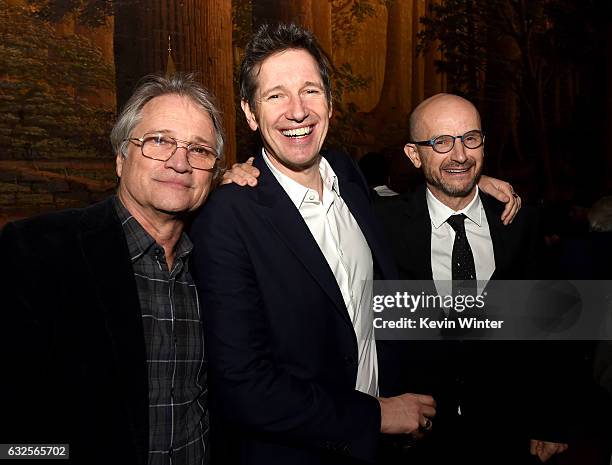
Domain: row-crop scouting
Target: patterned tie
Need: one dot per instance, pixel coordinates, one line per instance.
(463, 261)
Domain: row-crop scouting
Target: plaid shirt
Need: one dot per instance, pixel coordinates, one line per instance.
(178, 413)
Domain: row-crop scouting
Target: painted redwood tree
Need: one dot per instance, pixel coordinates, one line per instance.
(199, 34)
(529, 46)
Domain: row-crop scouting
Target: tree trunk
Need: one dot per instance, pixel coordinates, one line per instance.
(201, 40)
(284, 11)
(395, 97)
(322, 24)
(129, 62)
(532, 66)
(314, 15)
(216, 62)
(419, 9)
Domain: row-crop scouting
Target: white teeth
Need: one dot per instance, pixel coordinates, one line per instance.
(298, 132)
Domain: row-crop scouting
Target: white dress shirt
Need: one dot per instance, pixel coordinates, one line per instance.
(443, 238)
(384, 191)
(348, 255)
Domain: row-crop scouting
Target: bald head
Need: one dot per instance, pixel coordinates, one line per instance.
(452, 169)
(438, 111)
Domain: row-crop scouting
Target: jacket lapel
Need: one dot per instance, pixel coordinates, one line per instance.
(106, 254)
(415, 230)
(292, 230)
(354, 194)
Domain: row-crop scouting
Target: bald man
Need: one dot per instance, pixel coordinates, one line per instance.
(481, 388)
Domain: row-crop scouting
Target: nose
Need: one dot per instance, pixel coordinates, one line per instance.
(458, 153)
(178, 161)
(297, 110)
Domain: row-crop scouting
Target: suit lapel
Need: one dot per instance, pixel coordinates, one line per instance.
(106, 254)
(292, 230)
(355, 197)
(415, 224)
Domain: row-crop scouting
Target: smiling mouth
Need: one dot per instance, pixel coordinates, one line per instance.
(298, 132)
(458, 170)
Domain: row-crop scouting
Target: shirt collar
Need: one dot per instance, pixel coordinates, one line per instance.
(439, 212)
(139, 241)
(296, 191)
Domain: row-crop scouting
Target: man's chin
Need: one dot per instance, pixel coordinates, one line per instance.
(461, 189)
(453, 191)
(174, 211)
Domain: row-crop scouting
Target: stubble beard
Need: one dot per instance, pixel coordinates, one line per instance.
(450, 189)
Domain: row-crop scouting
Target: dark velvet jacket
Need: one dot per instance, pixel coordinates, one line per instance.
(72, 341)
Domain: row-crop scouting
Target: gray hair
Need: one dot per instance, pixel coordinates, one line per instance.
(154, 85)
(600, 215)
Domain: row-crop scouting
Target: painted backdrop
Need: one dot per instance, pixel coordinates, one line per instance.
(539, 71)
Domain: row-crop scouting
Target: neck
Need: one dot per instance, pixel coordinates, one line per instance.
(164, 228)
(456, 203)
(308, 176)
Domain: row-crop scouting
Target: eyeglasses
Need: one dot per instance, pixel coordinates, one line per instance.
(444, 144)
(161, 148)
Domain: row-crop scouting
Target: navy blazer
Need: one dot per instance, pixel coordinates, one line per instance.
(72, 342)
(282, 350)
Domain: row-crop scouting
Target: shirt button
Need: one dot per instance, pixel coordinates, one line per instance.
(172, 392)
(311, 197)
(170, 452)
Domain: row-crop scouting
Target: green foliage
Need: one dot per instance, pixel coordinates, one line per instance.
(525, 46)
(88, 12)
(347, 13)
(461, 29)
(347, 80)
(242, 15)
(347, 125)
(44, 73)
(532, 40)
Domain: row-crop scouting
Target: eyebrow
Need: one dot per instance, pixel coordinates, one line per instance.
(196, 139)
(272, 89)
(314, 84)
(281, 87)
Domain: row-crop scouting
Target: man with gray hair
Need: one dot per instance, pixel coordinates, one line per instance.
(104, 348)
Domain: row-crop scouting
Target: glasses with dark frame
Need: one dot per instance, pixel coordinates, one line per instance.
(162, 147)
(445, 143)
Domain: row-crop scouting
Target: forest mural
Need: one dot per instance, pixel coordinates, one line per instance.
(540, 72)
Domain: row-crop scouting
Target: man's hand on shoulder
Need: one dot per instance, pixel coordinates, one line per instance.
(243, 174)
(503, 192)
(406, 414)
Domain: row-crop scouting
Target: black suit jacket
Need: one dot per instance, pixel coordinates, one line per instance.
(282, 350)
(72, 340)
(517, 247)
(489, 380)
